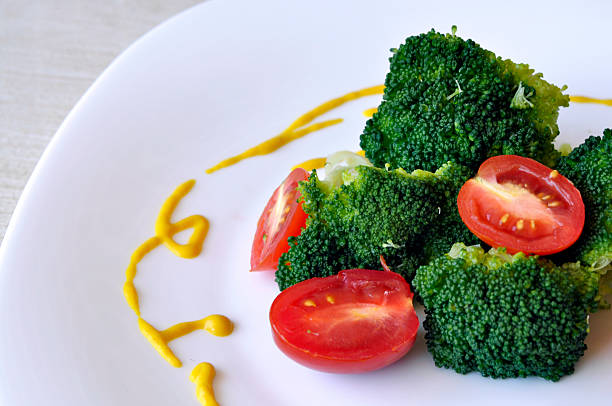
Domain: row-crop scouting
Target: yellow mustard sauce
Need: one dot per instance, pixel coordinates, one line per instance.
(164, 231)
(273, 144)
(202, 376)
(295, 130)
(215, 324)
(370, 112)
(129, 290)
(311, 164)
(584, 99)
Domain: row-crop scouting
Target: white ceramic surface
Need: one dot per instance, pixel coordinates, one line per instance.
(205, 85)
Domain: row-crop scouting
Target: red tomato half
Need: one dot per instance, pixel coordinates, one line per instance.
(283, 217)
(357, 321)
(520, 204)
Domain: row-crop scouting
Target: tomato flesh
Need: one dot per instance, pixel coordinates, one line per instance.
(283, 217)
(520, 204)
(356, 321)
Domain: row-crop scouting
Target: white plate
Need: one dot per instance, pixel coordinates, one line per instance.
(205, 85)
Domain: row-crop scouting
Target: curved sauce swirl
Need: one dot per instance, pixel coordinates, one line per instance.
(215, 324)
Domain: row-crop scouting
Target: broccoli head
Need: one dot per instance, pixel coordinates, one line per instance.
(373, 212)
(505, 316)
(447, 99)
(589, 167)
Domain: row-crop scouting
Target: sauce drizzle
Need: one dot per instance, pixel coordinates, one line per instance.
(370, 112)
(295, 130)
(309, 165)
(584, 99)
(164, 232)
(215, 324)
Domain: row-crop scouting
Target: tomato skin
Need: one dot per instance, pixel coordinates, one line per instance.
(283, 217)
(368, 324)
(518, 203)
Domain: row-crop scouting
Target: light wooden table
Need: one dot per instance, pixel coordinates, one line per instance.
(50, 53)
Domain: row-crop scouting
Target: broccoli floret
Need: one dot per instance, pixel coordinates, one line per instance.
(319, 254)
(505, 316)
(449, 228)
(374, 212)
(447, 99)
(589, 167)
(589, 282)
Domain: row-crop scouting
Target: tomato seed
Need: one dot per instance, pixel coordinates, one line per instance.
(310, 303)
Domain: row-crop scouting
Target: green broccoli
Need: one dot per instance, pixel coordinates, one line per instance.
(505, 316)
(447, 99)
(589, 167)
(449, 228)
(374, 212)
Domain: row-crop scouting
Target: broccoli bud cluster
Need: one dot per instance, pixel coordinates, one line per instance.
(448, 99)
(504, 316)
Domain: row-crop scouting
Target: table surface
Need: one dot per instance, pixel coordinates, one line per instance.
(50, 53)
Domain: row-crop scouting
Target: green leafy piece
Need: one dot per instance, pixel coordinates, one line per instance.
(521, 98)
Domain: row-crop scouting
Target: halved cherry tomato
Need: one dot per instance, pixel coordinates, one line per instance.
(520, 204)
(356, 321)
(283, 217)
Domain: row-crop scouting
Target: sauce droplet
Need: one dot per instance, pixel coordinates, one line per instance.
(202, 376)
